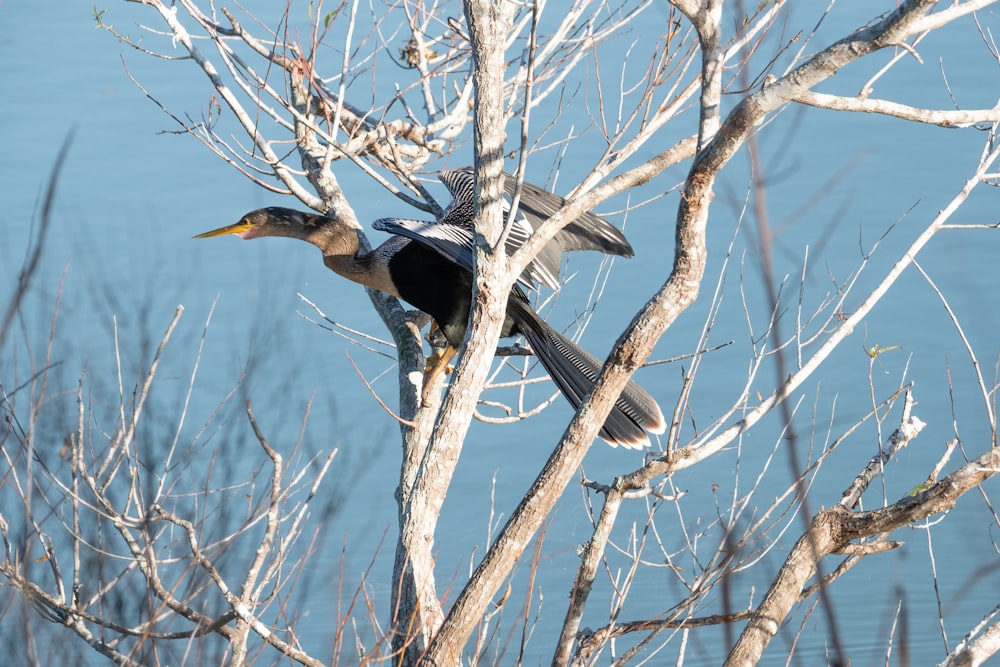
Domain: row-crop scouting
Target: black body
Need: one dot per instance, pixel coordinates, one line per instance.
(443, 290)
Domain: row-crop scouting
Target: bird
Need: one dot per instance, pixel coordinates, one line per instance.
(429, 265)
(451, 235)
(536, 205)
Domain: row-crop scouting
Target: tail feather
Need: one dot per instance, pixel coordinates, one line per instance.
(574, 371)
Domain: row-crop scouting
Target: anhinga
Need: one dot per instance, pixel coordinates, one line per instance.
(429, 265)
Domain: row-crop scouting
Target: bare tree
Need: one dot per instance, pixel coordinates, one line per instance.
(476, 70)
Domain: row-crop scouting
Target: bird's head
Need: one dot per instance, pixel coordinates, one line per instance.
(275, 221)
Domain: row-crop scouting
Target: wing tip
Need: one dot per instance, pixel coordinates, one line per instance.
(634, 439)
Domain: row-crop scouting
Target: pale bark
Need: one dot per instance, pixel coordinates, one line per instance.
(488, 27)
(680, 290)
(832, 530)
(325, 128)
(975, 652)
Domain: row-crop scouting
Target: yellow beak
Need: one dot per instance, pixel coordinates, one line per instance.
(238, 228)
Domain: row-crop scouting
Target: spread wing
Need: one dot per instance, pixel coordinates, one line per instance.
(544, 268)
(589, 231)
(452, 242)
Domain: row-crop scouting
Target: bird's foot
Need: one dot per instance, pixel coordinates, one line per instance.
(436, 364)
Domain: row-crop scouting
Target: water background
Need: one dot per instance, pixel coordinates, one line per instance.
(131, 193)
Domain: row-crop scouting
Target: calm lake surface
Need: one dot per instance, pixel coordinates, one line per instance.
(120, 259)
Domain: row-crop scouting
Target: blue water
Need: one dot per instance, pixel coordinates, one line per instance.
(131, 193)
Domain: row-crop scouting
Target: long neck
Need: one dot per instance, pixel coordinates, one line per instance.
(341, 254)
